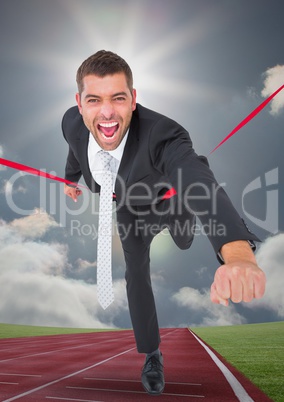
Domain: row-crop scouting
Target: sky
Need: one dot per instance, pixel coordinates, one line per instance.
(206, 64)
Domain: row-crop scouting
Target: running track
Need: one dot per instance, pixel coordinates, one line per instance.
(104, 366)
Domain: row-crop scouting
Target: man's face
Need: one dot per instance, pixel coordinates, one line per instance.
(106, 105)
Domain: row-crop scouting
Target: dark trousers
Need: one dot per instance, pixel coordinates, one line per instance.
(137, 227)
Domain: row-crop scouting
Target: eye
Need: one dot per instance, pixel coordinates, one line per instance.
(93, 100)
(120, 99)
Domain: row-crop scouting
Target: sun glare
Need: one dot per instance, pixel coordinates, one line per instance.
(153, 61)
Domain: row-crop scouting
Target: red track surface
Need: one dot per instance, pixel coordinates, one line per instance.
(103, 367)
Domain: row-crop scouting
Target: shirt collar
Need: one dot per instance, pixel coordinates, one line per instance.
(116, 153)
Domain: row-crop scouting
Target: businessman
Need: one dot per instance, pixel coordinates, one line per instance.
(160, 182)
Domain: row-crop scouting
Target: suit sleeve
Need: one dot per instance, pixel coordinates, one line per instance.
(196, 185)
(72, 168)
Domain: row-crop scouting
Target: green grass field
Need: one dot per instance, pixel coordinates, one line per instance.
(257, 350)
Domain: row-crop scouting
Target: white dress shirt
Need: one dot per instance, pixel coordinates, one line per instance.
(95, 162)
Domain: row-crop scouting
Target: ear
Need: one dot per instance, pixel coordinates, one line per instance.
(78, 100)
(134, 94)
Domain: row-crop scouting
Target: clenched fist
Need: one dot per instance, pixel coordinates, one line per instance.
(239, 279)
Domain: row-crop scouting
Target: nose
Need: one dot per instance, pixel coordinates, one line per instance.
(107, 110)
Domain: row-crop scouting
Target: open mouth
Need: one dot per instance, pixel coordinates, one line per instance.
(108, 130)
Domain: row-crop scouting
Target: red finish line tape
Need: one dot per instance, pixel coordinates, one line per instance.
(36, 172)
(171, 192)
(248, 118)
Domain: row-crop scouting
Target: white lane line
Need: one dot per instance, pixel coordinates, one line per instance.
(62, 349)
(110, 379)
(21, 375)
(131, 392)
(118, 380)
(44, 353)
(183, 383)
(57, 350)
(9, 383)
(18, 343)
(74, 347)
(31, 391)
(236, 386)
(70, 399)
(77, 372)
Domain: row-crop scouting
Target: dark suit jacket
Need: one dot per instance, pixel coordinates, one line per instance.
(158, 156)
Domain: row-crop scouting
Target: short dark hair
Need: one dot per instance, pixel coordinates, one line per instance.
(103, 63)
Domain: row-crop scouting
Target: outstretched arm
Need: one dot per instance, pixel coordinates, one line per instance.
(240, 278)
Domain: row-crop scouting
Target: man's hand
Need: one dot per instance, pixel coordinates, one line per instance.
(72, 192)
(240, 278)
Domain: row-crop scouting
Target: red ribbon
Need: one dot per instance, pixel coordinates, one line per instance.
(169, 193)
(18, 166)
(36, 172)
(248, 118)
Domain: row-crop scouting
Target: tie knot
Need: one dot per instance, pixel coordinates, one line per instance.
(105, 158)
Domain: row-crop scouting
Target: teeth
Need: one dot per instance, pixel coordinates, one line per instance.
(109, 124)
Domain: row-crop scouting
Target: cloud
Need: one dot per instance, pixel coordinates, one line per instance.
(212, 314)
(270, 257)
(35, 225)
(274, 79)
(12, 188)
(34, 285)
